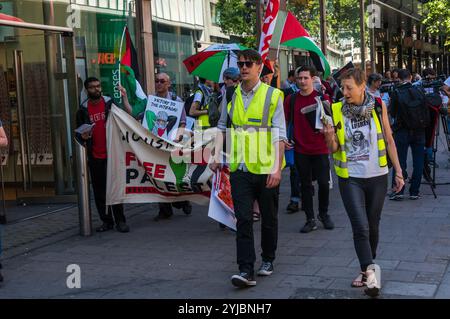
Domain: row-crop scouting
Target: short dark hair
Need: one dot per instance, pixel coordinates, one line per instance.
(251, 55)
(90, 80)
(306, 68)
(291, 73)
(373, 78)
(404, 74)
(354, 73)
(428, 71)
(202, 80)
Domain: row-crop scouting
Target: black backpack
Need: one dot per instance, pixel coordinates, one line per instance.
(213, 103)
(413, 109)
(190, 100)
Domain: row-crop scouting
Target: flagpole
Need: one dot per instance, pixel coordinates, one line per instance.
(279, 40)
(120, 56)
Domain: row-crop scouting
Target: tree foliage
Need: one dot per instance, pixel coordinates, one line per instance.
(237, 19)
(437, 18)
(342, 18)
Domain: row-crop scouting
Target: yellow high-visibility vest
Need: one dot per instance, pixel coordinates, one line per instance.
(251, 135)
(340, 157)
(202, 121)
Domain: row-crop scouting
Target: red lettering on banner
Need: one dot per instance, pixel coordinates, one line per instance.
(129, 157)
(160, 171)
(148, 168)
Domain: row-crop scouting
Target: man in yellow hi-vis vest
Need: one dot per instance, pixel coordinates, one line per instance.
(256, 136)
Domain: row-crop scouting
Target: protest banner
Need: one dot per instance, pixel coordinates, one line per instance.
(144, 168)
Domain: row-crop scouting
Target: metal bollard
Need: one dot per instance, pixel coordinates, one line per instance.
(84, 203)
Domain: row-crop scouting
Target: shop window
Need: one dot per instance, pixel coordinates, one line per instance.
(215, 17)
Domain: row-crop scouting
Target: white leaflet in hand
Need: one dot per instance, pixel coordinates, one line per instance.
(321, 117)
(85, 128)
(319, 110)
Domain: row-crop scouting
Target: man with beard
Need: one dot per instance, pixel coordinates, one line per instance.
(95, 111)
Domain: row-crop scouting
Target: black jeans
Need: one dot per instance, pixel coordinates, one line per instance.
(319, 167)
(245, 189)
(363, 200)
(165, 209)
(97, 169)
(295, 184)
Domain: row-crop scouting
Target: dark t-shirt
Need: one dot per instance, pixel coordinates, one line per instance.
(307, 140)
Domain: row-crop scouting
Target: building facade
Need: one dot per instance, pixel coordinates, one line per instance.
(46, 53)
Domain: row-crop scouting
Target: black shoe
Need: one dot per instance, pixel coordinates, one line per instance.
(396, 196)
(104, 227)
(161, 216)
(309, 226)
(326, 221)
(122, 227)
(292, 207)
(187, 208)
(243, 280)
(266, 269)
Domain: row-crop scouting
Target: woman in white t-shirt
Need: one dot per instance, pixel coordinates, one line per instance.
(359, 145)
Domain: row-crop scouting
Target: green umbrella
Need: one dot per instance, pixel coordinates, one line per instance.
(213, 61)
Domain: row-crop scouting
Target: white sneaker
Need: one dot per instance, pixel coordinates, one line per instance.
(373, 282)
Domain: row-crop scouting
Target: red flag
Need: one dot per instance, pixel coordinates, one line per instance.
(9, 18)
(268, 26)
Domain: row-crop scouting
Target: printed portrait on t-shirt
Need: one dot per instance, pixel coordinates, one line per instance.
(358, 133)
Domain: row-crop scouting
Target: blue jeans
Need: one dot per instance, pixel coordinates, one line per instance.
(295, 184)
(416, 140)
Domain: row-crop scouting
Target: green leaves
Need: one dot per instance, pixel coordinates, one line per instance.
(233, 15)
(437, 18)
(342, 18)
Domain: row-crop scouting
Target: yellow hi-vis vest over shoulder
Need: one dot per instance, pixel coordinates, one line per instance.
(251, 135)
(203, 120)
(340, 157)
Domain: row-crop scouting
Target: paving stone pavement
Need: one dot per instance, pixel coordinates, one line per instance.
(189, 257)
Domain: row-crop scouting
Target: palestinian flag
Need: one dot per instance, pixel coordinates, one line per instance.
(294, 35)
(129, 74)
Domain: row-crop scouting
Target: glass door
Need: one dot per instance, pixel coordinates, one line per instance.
(35, 110)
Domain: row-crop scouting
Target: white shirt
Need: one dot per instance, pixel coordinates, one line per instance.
(361, 148)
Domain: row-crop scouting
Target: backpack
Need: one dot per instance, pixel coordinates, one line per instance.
(414, 112)
(213, 102)
(229, 96)
(190, 100)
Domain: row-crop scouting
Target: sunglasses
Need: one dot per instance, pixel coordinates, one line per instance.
(248, 64)
(160, 81)
(234, 80)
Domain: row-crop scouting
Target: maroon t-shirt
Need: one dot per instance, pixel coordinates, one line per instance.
(307, 140)
(97, 115)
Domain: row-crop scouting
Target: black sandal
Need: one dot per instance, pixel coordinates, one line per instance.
(359, 281)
